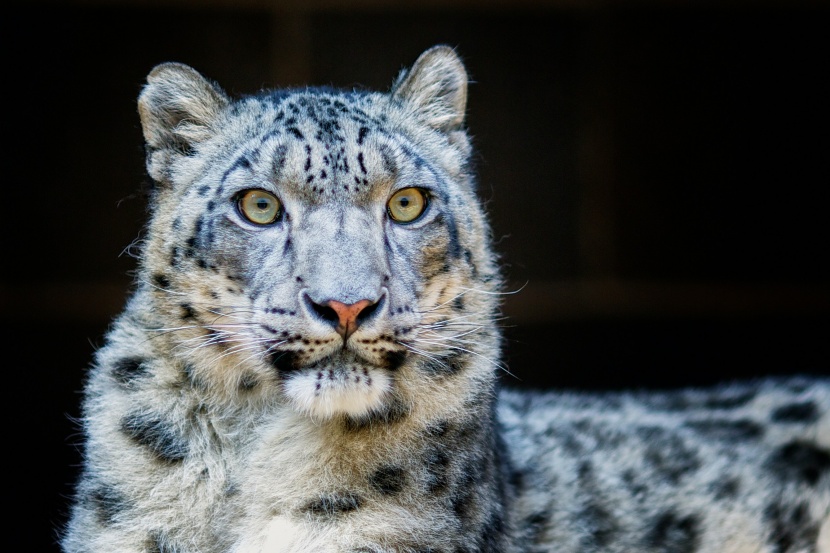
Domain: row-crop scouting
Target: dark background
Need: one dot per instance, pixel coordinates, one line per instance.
(656, 173)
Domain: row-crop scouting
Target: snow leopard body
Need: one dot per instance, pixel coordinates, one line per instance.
(310, 359)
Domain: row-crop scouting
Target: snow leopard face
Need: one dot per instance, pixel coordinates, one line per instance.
(317, 245)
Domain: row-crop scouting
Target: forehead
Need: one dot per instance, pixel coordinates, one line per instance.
(318, 143)
(325, 116)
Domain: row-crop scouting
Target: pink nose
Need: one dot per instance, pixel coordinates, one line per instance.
(347, 315)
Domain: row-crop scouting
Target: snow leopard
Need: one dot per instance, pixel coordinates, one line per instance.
(310, 361)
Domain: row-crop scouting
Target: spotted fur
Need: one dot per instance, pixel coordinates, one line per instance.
(326, 382)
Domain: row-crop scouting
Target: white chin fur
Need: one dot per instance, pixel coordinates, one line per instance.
(328, 392)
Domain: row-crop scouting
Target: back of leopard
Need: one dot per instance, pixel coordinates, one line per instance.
(309, 362)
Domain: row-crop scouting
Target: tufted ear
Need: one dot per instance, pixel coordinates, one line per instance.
(177, 107)
(435, 88)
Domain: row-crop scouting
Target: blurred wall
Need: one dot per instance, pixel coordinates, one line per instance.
(656, 174)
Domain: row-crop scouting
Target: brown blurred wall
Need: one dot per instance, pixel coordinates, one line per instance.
(656, 173)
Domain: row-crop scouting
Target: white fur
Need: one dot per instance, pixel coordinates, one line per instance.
(339, 391)
(823, 543)
(283, 535)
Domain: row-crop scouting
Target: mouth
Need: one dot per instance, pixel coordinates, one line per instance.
(290, 361)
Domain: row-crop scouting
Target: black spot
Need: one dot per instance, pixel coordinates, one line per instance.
(202, 190)
(361, 134)
(198, 225)
(436, 462)
(175, 256)
(330, 128)
(190, 250)
(187, 311)
(156, 434)
(161, 281)
(599, 524)
(394, 359)
(241, 162)
(388, 480)
(285, 361)
(791, 529)
(516, 479)
(727, 430)
(671, 534)
(804, 412)
(535, 525)
(333, 504)
(800, 462)
(127, 370)
(585, 473)
(726, 488)
(108, 503)
(296, 132)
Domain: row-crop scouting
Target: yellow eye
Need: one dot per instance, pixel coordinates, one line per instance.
(407, 205)
(259, 207)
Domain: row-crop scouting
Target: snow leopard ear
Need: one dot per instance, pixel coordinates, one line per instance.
(177, 107)
(436, 88)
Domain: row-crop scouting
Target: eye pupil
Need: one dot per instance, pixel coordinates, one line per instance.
(404, 202)
(262, 204)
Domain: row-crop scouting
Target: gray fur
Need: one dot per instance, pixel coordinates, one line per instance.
(231, 411)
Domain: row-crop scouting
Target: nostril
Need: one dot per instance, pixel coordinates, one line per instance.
(368, 311)
(323, 311)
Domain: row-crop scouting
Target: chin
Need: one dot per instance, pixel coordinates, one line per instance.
(326, 391)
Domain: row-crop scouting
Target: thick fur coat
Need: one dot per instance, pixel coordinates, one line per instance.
(309, 363)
